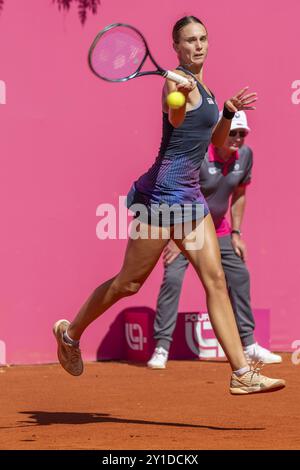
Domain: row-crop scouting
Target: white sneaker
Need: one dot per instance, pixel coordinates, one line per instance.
(257, 353)
(159, 359)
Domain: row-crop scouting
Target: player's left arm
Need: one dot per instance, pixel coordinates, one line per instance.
(221, 132)
(241, 101)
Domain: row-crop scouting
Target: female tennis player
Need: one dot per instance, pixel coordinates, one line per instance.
(174, 179)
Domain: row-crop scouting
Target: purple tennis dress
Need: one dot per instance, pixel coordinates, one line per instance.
(173, 179)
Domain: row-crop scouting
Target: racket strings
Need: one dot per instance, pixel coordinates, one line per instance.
(118, 53)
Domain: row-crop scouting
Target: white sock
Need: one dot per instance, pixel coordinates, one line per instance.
(241, 371)
(250, 347)
(69, 340)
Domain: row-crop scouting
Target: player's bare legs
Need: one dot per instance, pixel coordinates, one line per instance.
(140, 258)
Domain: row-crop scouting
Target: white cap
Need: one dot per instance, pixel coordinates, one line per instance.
(239, 121)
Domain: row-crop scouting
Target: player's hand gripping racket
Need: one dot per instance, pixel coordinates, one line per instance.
(119, 52)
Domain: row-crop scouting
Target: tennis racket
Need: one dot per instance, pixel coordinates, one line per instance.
(119, 52)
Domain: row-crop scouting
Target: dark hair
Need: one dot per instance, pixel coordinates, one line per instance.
(181, 24)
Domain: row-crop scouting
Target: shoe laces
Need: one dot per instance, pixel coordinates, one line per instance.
(255, 368)
(76, 354)
(160, 352)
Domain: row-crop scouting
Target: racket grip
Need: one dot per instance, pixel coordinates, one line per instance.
(176, 77)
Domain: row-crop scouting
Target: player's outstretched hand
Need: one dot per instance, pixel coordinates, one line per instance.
(241, 102)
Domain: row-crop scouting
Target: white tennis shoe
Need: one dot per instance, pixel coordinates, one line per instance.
(256, 353)
(159, 359)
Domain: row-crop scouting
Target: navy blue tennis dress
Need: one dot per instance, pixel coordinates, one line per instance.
(173, 179)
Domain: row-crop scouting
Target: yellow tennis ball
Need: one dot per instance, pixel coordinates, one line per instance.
(175, 100)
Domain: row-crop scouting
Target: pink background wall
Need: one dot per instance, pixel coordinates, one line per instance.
(70, 142)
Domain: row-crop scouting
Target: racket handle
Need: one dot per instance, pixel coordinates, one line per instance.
(175, 77)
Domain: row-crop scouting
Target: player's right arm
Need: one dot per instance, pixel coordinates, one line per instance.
(176, 116)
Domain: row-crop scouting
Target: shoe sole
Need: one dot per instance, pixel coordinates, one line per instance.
(55, 331)
(267, 363)
(156, 367)
(274, 388)
(273, 362)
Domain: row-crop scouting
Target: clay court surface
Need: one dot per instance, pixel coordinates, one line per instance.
(124, 406)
